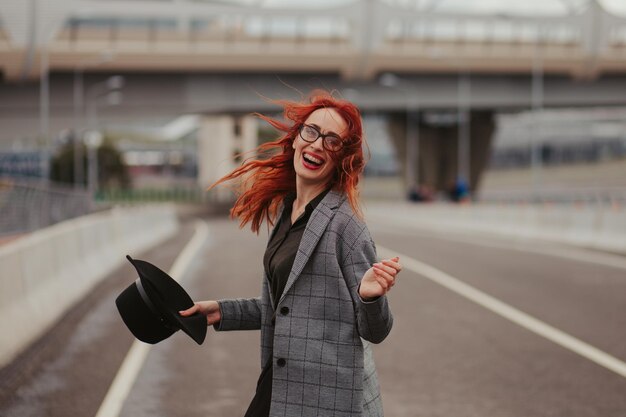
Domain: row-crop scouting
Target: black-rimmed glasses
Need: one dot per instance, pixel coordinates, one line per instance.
(331, 141)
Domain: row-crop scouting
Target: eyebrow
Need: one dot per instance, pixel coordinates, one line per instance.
(331, 133)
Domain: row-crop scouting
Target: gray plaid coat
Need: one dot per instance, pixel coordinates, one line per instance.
(319, 342)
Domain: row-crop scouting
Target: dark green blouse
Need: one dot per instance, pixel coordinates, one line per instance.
(282, 248)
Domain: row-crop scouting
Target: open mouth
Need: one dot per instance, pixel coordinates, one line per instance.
(312, 161)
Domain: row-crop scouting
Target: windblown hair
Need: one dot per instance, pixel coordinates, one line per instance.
(267, 179)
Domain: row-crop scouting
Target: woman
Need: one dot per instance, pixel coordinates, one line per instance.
(323, 297)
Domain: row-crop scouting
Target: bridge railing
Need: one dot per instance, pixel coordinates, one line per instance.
(27, 205)
(387, 24)
(354, 37)
(581, 42)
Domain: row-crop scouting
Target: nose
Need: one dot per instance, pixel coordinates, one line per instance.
(318, 143)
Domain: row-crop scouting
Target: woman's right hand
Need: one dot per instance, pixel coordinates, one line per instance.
(210, 309)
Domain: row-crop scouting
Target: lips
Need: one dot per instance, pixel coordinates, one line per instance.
(312, 161)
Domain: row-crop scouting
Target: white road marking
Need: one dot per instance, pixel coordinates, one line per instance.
(123, 382)
(508, 312)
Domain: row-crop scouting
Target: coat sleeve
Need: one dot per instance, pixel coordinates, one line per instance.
(374, 319)
(239, 314)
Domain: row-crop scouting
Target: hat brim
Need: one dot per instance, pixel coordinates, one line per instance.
(169, 298)
(138, 317)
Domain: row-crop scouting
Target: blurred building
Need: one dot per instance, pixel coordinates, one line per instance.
(563, 136)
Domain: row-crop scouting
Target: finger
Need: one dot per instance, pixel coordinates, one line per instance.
(388, 277)
(380, 279)
(381, 265)
(191, 310)
(395, 265)
(382, 282)
(387, 269)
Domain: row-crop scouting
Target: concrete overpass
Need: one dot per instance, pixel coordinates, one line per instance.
(357, 39)
(441, 75)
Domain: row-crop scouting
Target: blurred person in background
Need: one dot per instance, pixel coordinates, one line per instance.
(458, 191)
(323, 298)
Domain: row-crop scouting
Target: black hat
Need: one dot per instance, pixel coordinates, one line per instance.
(150, 306)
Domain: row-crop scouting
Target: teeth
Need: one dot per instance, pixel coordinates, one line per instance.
(312, 158)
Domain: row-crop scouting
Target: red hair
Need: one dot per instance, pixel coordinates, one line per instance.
(270, 177)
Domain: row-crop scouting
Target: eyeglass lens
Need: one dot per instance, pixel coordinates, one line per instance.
(310, 134)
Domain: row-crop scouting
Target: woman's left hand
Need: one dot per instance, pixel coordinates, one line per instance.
(380, 278)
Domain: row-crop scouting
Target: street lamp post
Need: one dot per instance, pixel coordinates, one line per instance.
(109, 90)
(44, 116)
(93, 140)
(110, 98)
(78, 105)
(79, 98)
(537, 93)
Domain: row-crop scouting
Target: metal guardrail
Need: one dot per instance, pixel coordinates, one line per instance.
(27, 205)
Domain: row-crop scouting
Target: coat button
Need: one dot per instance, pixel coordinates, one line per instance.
(284, 311)
(281, 362)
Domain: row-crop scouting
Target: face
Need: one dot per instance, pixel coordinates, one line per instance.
(312, 162)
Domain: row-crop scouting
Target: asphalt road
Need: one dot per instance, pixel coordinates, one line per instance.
(446, 356)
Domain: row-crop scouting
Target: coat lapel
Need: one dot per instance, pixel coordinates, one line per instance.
(314, 230)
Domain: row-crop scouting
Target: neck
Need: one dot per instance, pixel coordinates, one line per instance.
(307, 192)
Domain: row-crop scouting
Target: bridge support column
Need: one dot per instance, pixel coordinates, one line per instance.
(481, 131)
(221, 138)
(437, 164)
